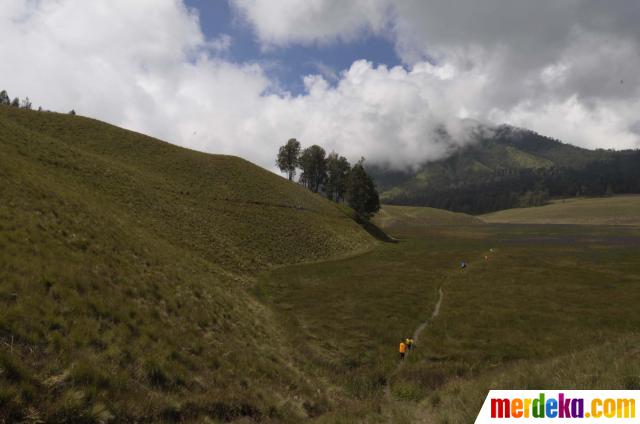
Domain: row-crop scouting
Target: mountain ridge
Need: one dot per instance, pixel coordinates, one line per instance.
(509, 167)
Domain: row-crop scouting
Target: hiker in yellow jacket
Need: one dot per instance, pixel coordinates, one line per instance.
(402, 349)
(409, 343)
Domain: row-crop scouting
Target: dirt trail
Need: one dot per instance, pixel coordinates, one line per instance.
(435, 313)
(416, 335)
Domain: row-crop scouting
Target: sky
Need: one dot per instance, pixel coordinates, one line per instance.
(372, 78)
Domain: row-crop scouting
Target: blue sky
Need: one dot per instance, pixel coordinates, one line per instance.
(287, 65)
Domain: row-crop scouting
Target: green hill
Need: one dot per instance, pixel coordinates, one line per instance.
(412, 219)
(507, 168)
(616, 210)
(124, 263)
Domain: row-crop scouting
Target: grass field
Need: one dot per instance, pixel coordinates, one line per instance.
(546, 297)
(124, 263)
(615, 210)
(144, 282)
(407, 220)
(346, 317)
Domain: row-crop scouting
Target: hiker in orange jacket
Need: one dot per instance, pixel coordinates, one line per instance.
(402, 349)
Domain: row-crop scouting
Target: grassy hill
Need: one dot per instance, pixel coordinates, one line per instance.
(616, 210)
(507, 168)
(124, 263)
(412, 219)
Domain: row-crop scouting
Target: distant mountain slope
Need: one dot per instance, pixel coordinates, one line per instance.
(615, 210)
(124, 264)
(511, 168)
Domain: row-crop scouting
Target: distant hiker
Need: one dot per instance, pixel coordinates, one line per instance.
(486, 257)
(463, 265)
(409, 343)
(402, 349)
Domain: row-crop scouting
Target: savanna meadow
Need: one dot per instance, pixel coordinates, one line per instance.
(326, 212)
(271, 303)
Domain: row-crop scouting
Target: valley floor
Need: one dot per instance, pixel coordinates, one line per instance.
(610, 210)
(560, 300)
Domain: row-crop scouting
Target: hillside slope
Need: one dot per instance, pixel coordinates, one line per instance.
(616, 210)
(509, 167)
(611, 364)
(122, 269)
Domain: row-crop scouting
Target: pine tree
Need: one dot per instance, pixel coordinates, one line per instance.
(4, 98)
(362, 195)
(337, 175)
(314, 168)
(26, 103)
(289, 157)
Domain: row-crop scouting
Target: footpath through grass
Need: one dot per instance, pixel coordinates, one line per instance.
(537, 314)
(545, 292)
(346, 317)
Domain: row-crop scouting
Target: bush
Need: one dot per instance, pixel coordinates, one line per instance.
(11, 370)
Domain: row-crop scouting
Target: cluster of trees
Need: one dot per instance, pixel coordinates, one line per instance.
(331, 175)
(481, 196)
(16, 102)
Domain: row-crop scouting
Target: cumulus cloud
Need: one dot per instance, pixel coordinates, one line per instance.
(390, 115)
(146, 65)
(293, 21)
(567, 69)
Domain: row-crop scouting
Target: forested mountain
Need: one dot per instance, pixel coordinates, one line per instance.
(510, 168)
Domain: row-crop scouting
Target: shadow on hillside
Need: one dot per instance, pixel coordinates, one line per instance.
(375, 231)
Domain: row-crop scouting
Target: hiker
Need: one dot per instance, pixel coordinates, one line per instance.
(402, 349)
(409, 343)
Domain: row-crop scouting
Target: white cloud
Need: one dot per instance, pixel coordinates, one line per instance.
(325, 70)
(567, 69)
(284, 22)
(221, 43)
(146, 65)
